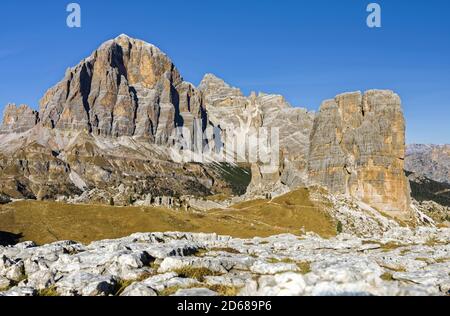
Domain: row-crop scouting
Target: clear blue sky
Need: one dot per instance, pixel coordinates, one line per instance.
(307, 50)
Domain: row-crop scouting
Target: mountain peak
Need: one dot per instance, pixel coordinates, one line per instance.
(127, 42)
(213, 85)
(121, 75)
(123, 35)
(18, 119)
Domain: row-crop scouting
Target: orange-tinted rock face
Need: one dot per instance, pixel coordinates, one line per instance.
(125, 88)
(358, 148)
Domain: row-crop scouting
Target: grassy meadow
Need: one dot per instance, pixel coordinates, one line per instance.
(46, 222)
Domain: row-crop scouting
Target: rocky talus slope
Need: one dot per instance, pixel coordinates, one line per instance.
(398, 262)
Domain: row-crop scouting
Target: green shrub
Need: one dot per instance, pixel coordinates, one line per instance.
(48, 292)
(340, 228)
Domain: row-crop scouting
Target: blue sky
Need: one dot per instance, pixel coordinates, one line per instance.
(306, 50)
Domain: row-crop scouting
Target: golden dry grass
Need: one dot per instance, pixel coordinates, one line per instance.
(171, 290)
(303, 266)
(48, 292)
(198, 274)
(223, 290)
(387, 276)
(292, 212)
(45, 222)
(218, 198)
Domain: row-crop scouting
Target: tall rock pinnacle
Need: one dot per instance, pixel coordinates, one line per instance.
(358, 148)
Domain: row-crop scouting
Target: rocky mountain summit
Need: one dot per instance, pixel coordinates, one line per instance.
(103, 127)
(125, 88)
(227, 106)
(399, 262)
(106, 131)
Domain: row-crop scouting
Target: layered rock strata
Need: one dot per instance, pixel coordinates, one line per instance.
(18, 119)
(358, 148)
(246, 116)
(125, 88)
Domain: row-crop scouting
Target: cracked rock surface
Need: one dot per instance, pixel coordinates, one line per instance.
(400, 262)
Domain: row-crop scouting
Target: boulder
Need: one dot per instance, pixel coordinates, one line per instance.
(138, 289)
(196, 292)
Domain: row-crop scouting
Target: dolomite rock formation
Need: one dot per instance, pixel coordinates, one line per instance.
(111, 169)
(225, 104)
(107, 125)
(109, 122)
(125, 88)
(18, 119)
(228, 107)
(358, 148)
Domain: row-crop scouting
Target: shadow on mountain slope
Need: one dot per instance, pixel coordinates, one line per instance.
(424, 189)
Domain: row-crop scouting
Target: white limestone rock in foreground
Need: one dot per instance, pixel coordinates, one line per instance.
(400, 262)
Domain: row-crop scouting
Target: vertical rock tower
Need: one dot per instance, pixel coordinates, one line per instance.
(358, 148)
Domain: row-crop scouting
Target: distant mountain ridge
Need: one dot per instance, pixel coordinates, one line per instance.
(431, 161)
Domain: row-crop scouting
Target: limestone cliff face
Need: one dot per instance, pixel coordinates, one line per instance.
(227, 106)
(125, 88)
(106, 125)
(358, 148)
(109, 122)
(18, 119)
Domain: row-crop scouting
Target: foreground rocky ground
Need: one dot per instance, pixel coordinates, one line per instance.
(399, 262)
